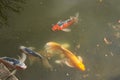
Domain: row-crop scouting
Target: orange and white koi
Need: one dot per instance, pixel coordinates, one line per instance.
(71, 60)
(63, 25)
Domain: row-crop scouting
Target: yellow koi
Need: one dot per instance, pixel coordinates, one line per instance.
(73, 60)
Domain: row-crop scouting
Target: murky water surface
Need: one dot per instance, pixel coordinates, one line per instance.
(97, 34)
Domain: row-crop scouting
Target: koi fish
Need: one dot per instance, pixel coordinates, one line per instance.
(71, 61)
(14, 63)
(63, 25)
(30, 52)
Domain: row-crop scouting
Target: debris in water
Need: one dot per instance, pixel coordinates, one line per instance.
(100, 1)
(85, 75)
(78, 46)
(117, 34)
(67, 74)
(106, 55)
(118, 21)
(97, 45)
(106, 41)
(111, 54)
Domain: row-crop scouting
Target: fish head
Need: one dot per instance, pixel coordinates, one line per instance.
(27, 50)
(52, 48)
(21, 66)
(22, 48)
(52, 45)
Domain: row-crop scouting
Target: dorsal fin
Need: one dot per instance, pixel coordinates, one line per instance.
(80, 58)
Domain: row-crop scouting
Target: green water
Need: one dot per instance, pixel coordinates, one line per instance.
(98, 19)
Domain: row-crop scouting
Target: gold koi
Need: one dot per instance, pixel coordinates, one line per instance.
(72, 59)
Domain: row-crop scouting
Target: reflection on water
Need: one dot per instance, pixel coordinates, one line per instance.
(98, 24)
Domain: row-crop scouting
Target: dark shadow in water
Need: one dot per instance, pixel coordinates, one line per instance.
(6, 6)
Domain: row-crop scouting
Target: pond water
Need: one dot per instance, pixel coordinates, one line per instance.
(97, 33)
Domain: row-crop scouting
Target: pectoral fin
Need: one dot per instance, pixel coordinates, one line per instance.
(68, 63)
(80, 58)
(66, 30)
(64, 61)
(60, 62)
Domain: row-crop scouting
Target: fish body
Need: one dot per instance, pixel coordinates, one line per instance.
(13, 63)
(63, 25)
(29, 51)
(72, 59)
